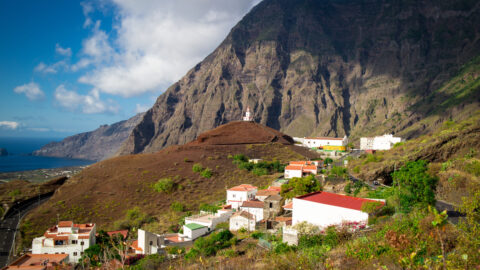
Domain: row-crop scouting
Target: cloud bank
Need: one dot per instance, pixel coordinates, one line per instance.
(88, 104)
(9, 124)
(31, 90)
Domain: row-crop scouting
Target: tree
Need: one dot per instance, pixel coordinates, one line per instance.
(300, 186)
(328, 161)
(164, 185)
(414, 186)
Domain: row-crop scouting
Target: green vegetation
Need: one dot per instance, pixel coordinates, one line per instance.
(106, 248)
(209, 208)
(134, 219)
(338, 171)
(14, 193)
(165, 185)
(207, 173)
(300, 186)
(197, 167)
(208, 246)
(414, 186)
(328, 161)
(177, 207)
(260, 168)
(153, 261)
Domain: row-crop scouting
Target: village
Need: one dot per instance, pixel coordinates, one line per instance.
(276, 209)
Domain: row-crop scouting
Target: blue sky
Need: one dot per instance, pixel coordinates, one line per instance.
(70, 66)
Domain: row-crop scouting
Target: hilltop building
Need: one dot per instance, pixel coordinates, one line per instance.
(238, 194)
(384, 142)
(326, 143)
(253, 207)
(248, 116)
(242, 219)
(66, 238)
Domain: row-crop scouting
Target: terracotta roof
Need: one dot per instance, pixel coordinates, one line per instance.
(227, 206)
(266, 192)
(324, 138)
(283, 219)
(84, 237)
(294, 167)
(124, 233)
(135, 246)
(65, 224)
(274, 197)
(61, 237)
(288, 206)
(336, 200)
(302, 162)
(243, 187)
(274, 188)
(310, 167)
(174, 238)
(244, 214)
(34, 261)
(252, 204)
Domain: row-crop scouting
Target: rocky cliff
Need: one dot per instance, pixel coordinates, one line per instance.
(330, 67)
(99, 144)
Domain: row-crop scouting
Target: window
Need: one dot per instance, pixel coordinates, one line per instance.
(271, 205)
(233, 195)
(75, 253)
(81, 253)
(74, 242)
(151, 243)
(82, 243)
(63, 252)
(56, 252)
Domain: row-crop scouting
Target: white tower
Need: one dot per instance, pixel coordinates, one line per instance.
(248, 116)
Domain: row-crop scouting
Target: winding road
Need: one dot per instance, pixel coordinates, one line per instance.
(9, 226)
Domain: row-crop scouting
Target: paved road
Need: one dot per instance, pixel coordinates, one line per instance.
(8, 227)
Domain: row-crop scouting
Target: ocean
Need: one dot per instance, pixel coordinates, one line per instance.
(19, 158)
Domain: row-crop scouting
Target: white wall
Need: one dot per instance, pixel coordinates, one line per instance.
(322, 142)
(257, 212)
(194, 234)
(292, 173)
(384, 142)
(238, 222)
(37, 248)
(235, 198)
(324, 215)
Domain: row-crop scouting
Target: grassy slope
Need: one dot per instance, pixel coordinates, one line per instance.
(104, 192)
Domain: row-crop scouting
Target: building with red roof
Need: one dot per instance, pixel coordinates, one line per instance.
(66, 238)
(238, 194)
(325, 209)
(40, 262)
(301, 168)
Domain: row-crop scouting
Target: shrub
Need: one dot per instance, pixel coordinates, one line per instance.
(370, 207)
(149, 262)
(240, 157)
(207, 173)
(328, 161)
(164, 185)
(281, 248)
(257, 235)
(208, 208)
(177, 206)
(260, 171)
(186, 160)
(300, 186)
(208, 246)
(197, 167)
(348, 188)
(356, 169)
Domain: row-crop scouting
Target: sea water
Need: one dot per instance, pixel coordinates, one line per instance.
(20, 158)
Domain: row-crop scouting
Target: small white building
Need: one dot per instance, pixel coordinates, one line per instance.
(248, 115)
(242, 219)
(253, 207)
(66, 238)
(316, 142)
(148, 243)
(210, 220)
(237, 195)
(384, 142)
(301, 168)
(193, 230)
(324, 209)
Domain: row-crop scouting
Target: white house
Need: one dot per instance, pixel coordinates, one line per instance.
(193, 230)
(237, 195)
(253, 207)
(242, 219)
(317, 142)
(248, 116)
(148, 243)
(384, 142)
(210, 220)
(301, 168)
(66, 238)
(325, 209)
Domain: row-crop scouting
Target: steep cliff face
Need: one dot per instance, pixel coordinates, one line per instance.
(99, 144)
(331, 67)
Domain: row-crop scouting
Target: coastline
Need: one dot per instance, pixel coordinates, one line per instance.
(41, 175)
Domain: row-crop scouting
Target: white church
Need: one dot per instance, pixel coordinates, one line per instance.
(248, 115)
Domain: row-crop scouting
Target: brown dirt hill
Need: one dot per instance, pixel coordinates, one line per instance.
(103, 192)
(241, 132)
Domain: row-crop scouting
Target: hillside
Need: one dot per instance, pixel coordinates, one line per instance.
(325, 68)
(105, 191)
(452, 151)
(99, 144)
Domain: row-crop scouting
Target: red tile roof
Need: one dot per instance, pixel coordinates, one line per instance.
(336, 200)
(135, 246)
(35, 261)
(266, 192)
(274, 188)
(243, 187)
(124, 233)
(288, 206)
(309, 167)
(244, 214)
(252, 204)
(294, 167)
(65, 224)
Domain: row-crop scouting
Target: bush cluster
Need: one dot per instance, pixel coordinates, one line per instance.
(208, 246)
(165, 185)
(260, 168)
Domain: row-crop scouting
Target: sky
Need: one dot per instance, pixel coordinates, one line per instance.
(70, 66)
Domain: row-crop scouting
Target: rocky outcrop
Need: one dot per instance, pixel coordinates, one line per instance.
(3, 152)
(99, 144)
(329, 67)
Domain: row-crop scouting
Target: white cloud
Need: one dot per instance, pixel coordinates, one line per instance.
(87, 9)
(141, 108)
(38, 129)
(63, 51)
(9, 124)
(154, 42)
(31, 90)
(43, 68)
(89, 104)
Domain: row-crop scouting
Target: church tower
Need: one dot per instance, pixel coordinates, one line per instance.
(248, 116)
